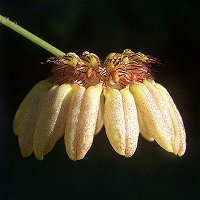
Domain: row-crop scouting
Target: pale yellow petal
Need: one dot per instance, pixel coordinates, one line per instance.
(48, 117)
(72, 120)
(99, 124)
(114, 120)
(143, 129)
(26, 117)
(131, 121)
(151, 115)
(159, 100)
(65, 93)
(179, 130)
(25, 104)
(87, 120)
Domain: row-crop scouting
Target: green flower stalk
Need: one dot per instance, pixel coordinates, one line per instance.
(5, 21)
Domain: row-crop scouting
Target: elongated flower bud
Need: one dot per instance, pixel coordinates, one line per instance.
(45, 127)
(26, 116)
(179, 141)
(87, 120)
(120, 120)
(152, 116)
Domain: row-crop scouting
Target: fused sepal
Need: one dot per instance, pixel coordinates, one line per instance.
(27, 114)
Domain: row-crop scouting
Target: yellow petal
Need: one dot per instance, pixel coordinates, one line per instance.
(72, 120)
(87, 120)
(121, 121)
(48, 116)
(131, 121)
(22, 110)
(179, 130)
(26, 116)
(143, 128)
(114, 120)
(159, 100)
(99, 124)
(65, 91)
(151, 115)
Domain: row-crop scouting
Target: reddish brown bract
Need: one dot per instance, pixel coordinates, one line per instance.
(117, 71)
(64, 68)
(138, 66)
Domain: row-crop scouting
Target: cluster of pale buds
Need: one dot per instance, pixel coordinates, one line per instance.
(83, 94)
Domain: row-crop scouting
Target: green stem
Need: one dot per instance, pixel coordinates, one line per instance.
(5, 21)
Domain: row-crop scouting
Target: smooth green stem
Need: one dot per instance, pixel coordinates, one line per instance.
(5, 21)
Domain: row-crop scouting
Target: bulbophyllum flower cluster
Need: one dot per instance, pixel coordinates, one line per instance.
(83, 94)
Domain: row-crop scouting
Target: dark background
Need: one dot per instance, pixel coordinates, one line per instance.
(168, 30)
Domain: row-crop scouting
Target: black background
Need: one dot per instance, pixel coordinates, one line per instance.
(168, 30)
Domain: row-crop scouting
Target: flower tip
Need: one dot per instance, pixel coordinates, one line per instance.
(129, 153)
(25, 153)
(39, 156)
(81, 155)
(180, 154)
(182, 150)
(169, 148)
(120, 151)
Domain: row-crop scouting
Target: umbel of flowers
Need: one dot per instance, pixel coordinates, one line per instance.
(84, 93)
